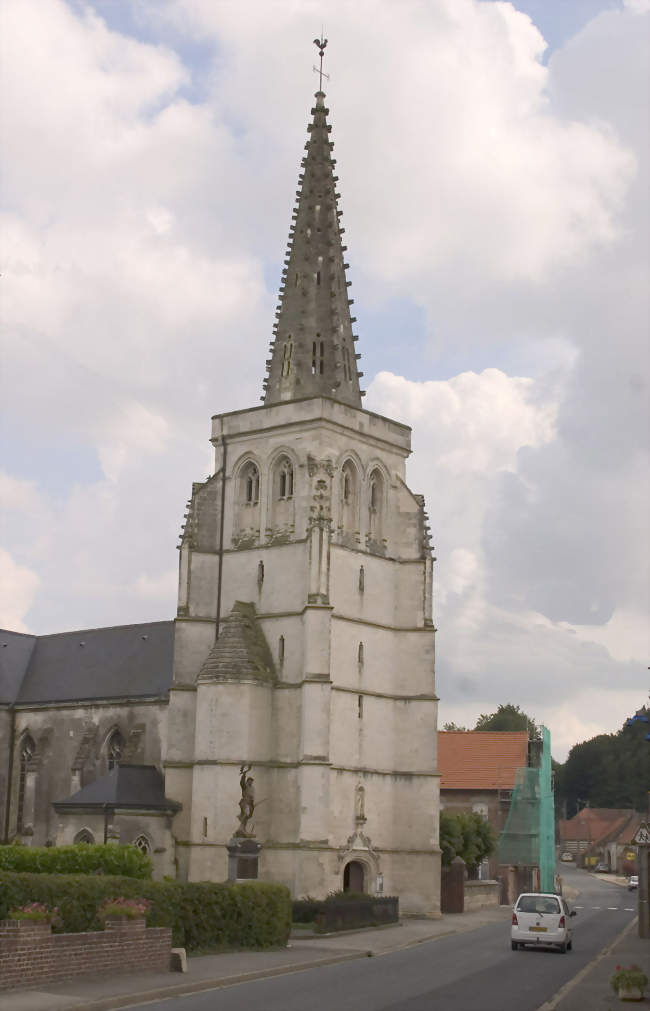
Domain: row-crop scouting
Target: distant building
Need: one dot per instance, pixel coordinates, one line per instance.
(602, 835)
(478, 770)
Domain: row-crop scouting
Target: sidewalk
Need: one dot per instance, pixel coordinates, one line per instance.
(591, 989)
(206, 972)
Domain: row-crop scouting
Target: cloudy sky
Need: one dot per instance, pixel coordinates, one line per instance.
(493, 167)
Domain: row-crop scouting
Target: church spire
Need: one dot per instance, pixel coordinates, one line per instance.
(313, 352)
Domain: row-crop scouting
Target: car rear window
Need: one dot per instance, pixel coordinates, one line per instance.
(538, 904)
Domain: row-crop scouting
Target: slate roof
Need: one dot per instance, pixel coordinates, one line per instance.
(125, 786)
(600, 825)
(481, 760)
(241, 651)
(124, 661)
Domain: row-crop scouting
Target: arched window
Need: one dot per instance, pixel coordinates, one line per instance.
(375, 506)
(285, 479)
(114, 747)
(85, 836)
(250, 484)
(27, 749)
(349, 502)
(287, 354)
(143, 844)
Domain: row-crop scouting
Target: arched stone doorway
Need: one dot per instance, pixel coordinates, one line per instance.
(354, 877)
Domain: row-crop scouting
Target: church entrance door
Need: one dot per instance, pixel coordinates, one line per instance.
(353, 877)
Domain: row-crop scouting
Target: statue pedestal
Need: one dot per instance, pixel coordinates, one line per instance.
(243, 857)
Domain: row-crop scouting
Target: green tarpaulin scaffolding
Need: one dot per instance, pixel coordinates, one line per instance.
(528, 839)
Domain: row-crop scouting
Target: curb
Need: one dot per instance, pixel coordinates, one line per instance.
(551, 1004)
(183, 989)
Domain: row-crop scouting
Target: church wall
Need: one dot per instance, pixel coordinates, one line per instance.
(204, 573)
(286, 722)
(276, 593)
(393, 661)
(193, 640)
(64, 733)
(5, 738)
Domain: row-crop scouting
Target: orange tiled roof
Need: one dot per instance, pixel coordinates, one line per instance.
(480, 760)
(596, 824)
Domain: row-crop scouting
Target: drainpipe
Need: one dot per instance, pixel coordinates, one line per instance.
(10, 772)
(224, 457)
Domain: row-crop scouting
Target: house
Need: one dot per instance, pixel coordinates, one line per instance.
(478, 770)
(601, 835)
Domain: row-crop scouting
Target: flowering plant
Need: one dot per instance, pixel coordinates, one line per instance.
(38, 912)
(630, 976)
(132, 909)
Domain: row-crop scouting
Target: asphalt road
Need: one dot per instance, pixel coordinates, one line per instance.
(476, 971)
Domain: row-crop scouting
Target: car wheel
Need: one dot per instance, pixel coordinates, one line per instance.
(515, 946)
(562, 948)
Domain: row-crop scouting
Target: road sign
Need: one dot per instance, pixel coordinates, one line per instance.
(642, 837)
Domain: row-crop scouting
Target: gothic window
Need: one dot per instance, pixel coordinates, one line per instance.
(347, 371)
(114, 747)
(281, 649)
(143, 844)
(85, 836)
(349, 498)
(360, 654)
(375, 505)
(287, 353)
(317, 357)
(250, 482)
(285, 479)
(27, 749)
(362, 579)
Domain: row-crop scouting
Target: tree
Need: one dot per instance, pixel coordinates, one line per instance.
(454, 726)
(508, 717)
(609, 770)
(469, 836)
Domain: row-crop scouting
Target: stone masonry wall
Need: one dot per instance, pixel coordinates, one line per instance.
(30, 953)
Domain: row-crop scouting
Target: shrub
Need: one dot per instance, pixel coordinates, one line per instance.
(203, 914)
(127, 861)
(38, 912)
(632, 976)
(131, 909)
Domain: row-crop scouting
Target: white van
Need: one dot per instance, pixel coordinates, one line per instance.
(542, 919)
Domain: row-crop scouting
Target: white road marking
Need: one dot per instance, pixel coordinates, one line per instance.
(629, 909)
(578, 907)
(612, 907)
(596, 907)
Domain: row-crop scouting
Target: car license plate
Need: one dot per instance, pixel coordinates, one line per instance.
(538, 930)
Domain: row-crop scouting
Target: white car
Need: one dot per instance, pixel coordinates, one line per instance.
(541, 919)
(632, 882)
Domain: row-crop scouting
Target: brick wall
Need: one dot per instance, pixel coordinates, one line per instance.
(30, 953)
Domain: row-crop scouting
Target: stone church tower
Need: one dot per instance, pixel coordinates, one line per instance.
(310, 555)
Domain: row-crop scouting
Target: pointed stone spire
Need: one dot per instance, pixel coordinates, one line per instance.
(313, 349)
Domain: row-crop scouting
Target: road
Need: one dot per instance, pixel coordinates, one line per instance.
(464, 972)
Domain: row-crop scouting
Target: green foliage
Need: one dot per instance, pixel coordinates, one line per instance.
(127, 861)
(623, 978)
(454, 726)
(610, 770)
(508, 717)
(201, 914)
(469, 836)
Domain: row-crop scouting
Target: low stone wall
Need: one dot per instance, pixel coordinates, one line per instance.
(480, 894)
(30, 953)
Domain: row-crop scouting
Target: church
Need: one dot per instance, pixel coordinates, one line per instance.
(302, 652)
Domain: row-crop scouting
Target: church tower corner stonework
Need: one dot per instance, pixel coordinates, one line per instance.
(304, 641)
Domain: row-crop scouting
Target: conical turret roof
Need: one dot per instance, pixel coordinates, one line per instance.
(241, 651)
(313, 351)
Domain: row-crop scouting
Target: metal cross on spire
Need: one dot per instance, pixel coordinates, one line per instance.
(320, 44)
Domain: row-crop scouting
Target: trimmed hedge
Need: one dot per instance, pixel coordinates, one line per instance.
(202, 914)
(346, 910)
(127, 861)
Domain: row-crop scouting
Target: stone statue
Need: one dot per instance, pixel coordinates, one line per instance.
(246, 804)
(360, 803)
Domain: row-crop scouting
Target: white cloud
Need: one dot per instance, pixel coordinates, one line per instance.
(18, 586)
(503, 197)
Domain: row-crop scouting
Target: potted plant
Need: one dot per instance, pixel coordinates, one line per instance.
(122, 909)
(628, 982)
(36, 912)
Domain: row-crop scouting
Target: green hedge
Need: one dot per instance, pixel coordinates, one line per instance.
(201, 914)
(127, 861)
